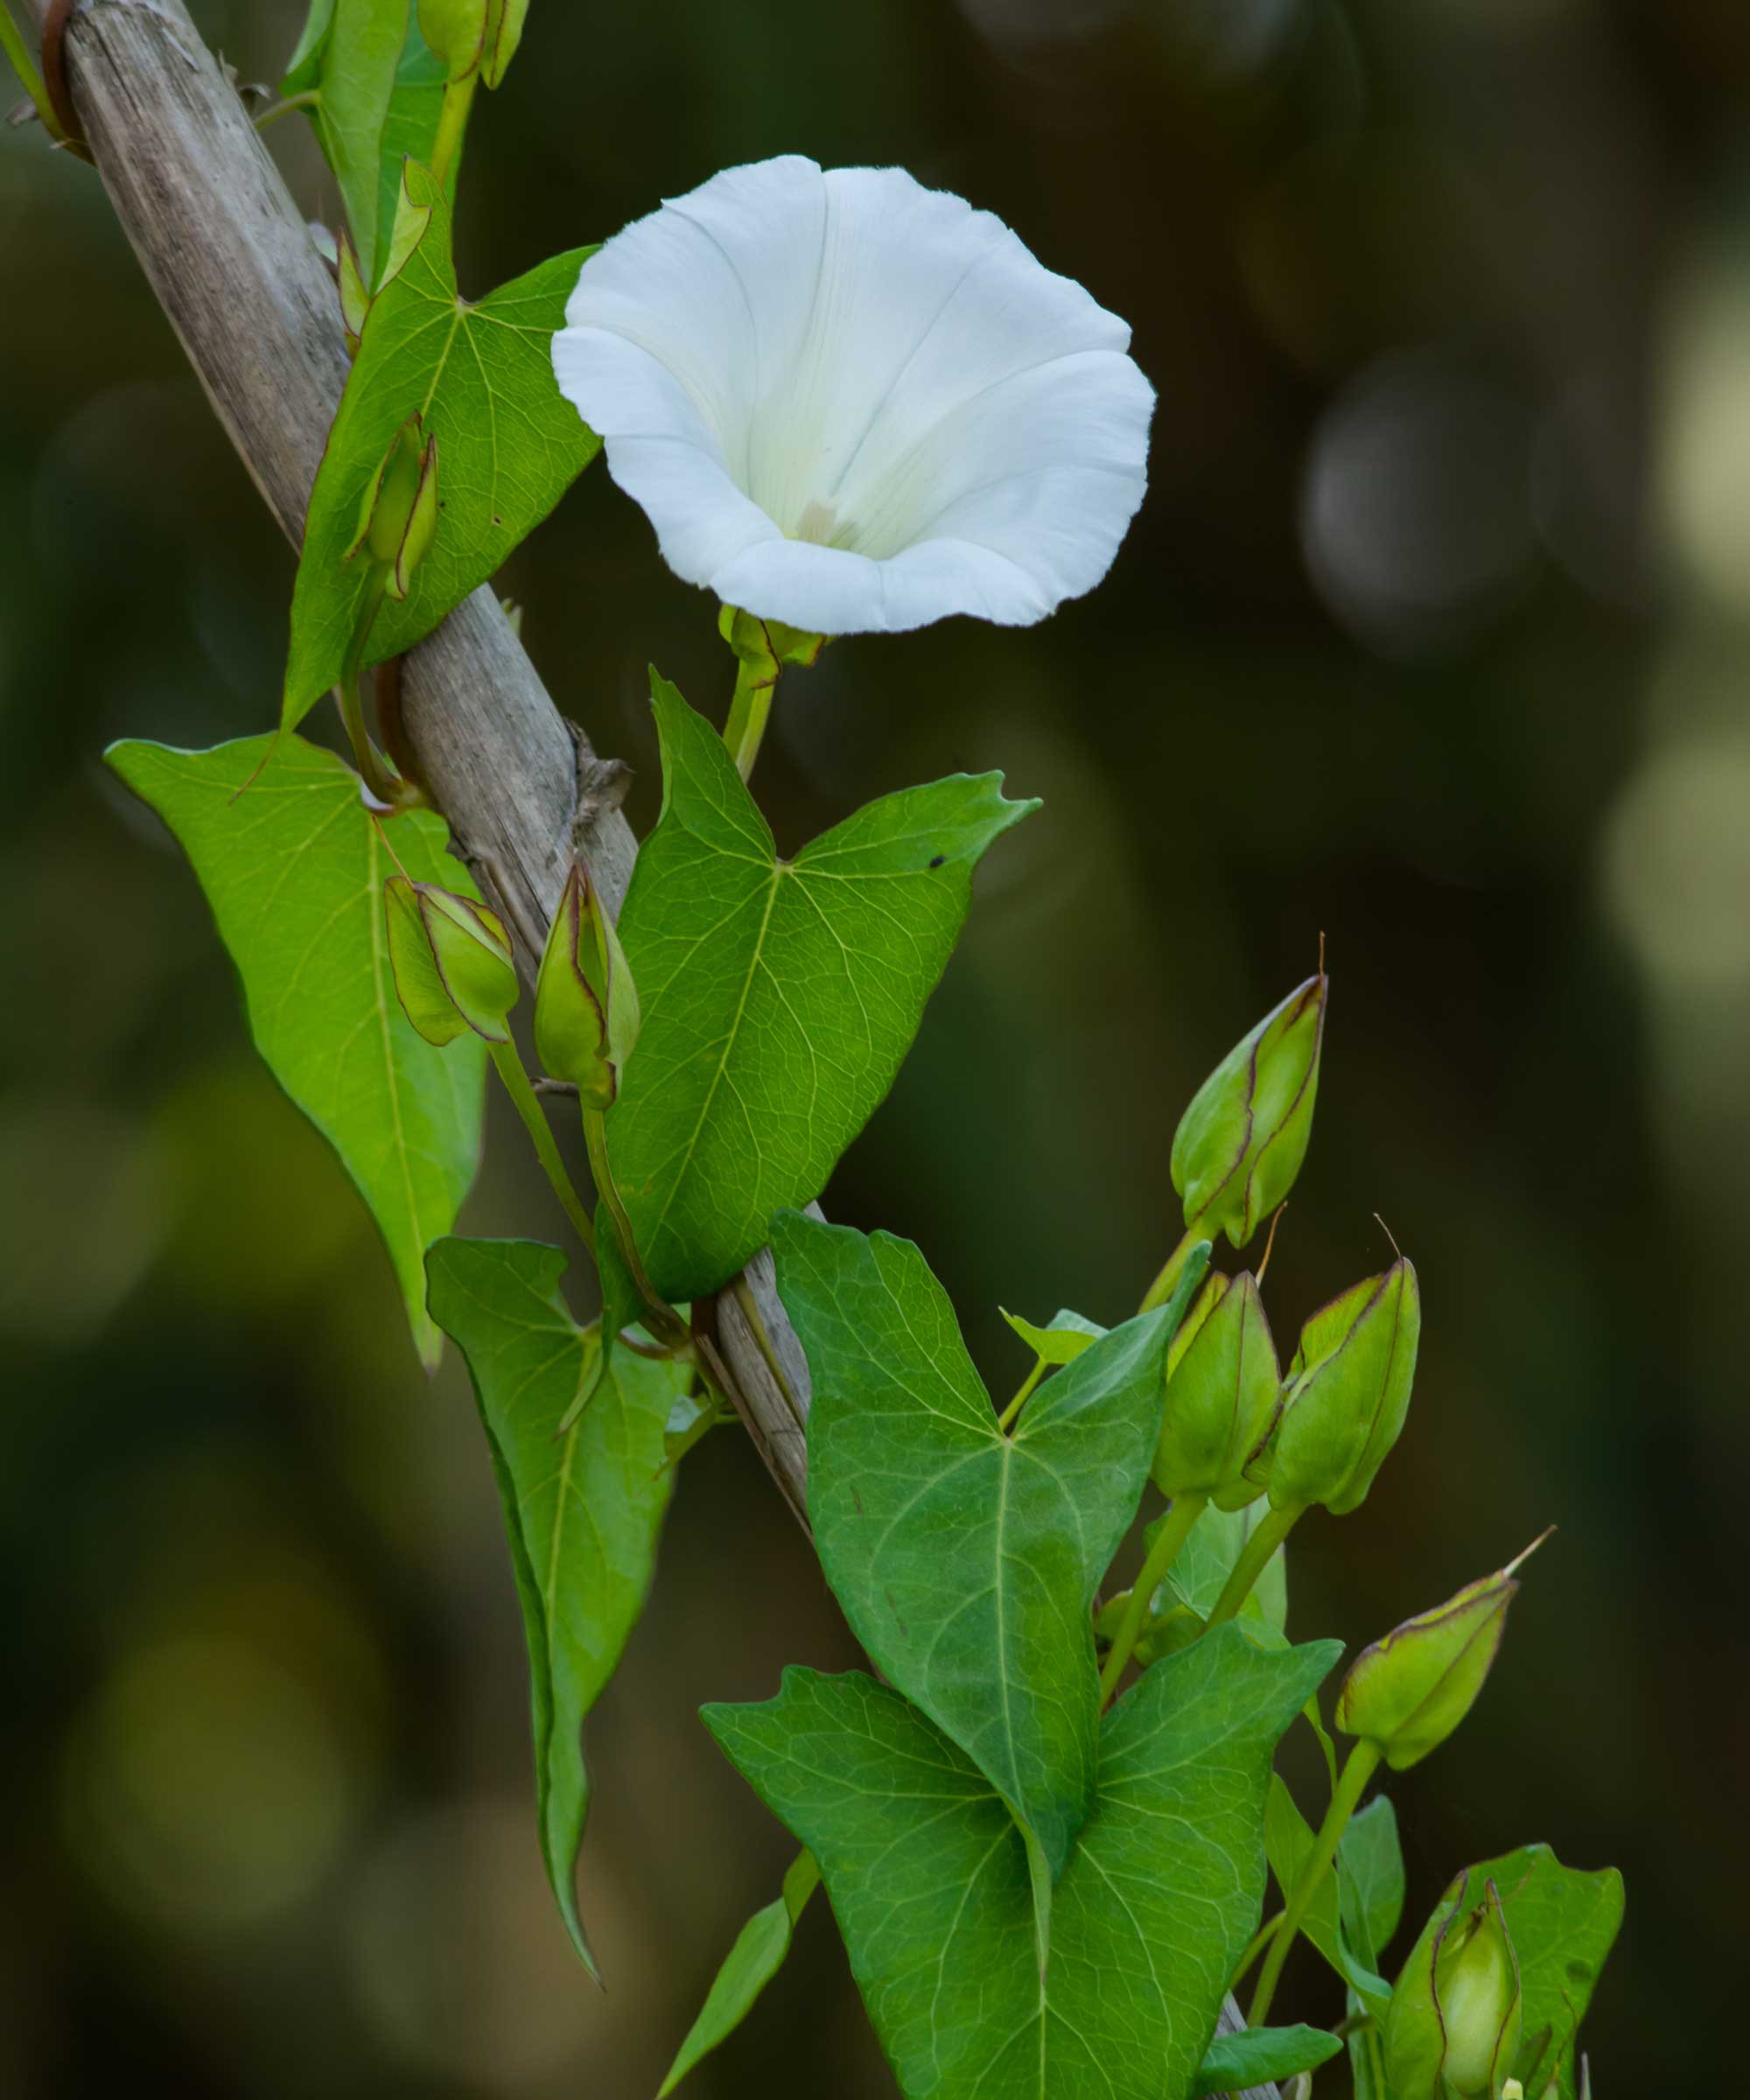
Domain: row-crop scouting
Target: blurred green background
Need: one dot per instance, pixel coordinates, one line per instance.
(1430, 638)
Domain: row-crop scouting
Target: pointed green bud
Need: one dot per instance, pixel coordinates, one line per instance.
(1223, 1388)
(585, 1003)
(398, 518)
(1453, 2028)
(1240, 1143)
(1407, 1693)
(452, 963)
(1348, 1393)
(422, 527)
(355, 298)
(467, 35)
(456, 30)
(503, 35)
(410, 225)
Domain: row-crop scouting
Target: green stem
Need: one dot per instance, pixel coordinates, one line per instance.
(1254, 1558)
(308, 99)
(663, 1318)
(509, 1064)
(1360, 1768)
(12, 43)
(749, 710)
(1185, 1512)
(1161, 1289)
(1266, 1933)
(452, 121)
(387, 786)
(1005, 1420)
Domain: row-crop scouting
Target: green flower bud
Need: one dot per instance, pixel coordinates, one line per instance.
(452, 963)
(503, 35)
(1453, 2026)
(398, 518)
(355, 298)
(1240, 1143)
(456, 29)
(1348, 1393)
(1407, 1693)
(1223, 1388)
(466, 35)
(585, 1003)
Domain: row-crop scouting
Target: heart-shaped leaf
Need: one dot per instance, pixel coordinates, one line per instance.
(582, 1509)
(1562, 1923)
(294, 870)
(372, 92)
(508, 443)
(779, 997)
(966, 1560)
(929, 1879)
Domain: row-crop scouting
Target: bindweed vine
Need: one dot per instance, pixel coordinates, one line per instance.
(1047, 1819)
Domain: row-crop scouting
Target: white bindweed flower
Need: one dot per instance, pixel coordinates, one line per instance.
(854, 404)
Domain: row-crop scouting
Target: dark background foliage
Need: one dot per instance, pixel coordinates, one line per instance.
(1430, 640)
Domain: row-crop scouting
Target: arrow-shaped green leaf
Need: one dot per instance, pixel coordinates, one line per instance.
(377, 93)
(1562, 1923)
(582, 1510)
(508, 443)
(966, 1560)
(929, 1881)
(779, 997)
(293, 868)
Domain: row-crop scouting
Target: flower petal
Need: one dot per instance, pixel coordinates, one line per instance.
(849, 402)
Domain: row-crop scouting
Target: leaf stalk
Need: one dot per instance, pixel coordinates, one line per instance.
(508, 1064)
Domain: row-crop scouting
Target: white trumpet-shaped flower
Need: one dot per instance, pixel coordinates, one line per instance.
(853, 404)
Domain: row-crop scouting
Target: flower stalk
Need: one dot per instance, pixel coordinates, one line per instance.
(1007, 1420)
(1254, 1558)
(1185, 1512)
(452, 122)
(1357, 1770)
(750, 710)
(665, 1322)
(389, 788)
(762, 648)
(508, 1064)
(1161, 1289)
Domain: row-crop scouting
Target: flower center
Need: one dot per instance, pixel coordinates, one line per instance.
(821, 526)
